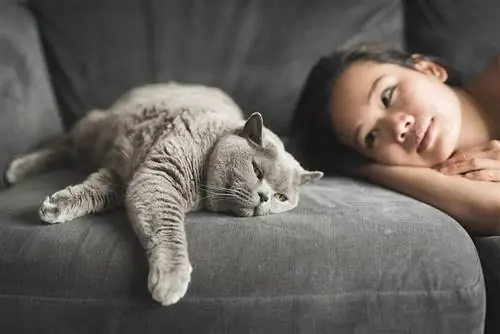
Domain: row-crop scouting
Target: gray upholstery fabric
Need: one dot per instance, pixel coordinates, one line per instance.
(258, 51)
(465, 34)
(462, 32)
(27, 110)
(489, 252)
(351, 258)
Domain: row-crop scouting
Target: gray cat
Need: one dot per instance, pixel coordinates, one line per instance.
(161, 151)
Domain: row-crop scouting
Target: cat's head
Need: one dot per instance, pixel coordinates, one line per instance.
(251, 174)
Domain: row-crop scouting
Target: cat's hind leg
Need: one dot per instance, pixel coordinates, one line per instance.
(55, 154)
(101, 191)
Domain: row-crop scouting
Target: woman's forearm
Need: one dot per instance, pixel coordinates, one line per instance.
(474, 204)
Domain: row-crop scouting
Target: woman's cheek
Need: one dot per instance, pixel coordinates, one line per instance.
(389, 155)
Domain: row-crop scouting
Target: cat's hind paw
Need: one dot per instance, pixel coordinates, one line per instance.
(167, 283)
(9, 174)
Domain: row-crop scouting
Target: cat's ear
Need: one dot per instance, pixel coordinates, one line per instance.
(253, 128)
(309, 177)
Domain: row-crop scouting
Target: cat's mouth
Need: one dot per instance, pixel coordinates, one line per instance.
(235, 202)
(260, 211)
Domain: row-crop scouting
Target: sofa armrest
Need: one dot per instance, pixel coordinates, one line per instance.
(28, 113)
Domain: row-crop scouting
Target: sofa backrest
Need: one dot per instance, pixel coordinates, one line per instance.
(259, 51)
(464, 33)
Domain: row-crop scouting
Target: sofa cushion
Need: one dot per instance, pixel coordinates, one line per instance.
(28, 111)
(351, 258)
(258, 51)
(489, 252)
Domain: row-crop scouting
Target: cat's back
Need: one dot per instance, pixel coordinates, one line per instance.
(173, 96)
(145, 114)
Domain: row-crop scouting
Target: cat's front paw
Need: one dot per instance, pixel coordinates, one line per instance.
(169, 283)
(56, 208)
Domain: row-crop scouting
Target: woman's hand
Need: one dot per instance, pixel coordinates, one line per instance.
(481, 162)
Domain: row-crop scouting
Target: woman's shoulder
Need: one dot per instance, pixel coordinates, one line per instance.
(492, 68)
(486, 84)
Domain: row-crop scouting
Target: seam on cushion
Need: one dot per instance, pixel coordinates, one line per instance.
(467, 289)
(477, 282)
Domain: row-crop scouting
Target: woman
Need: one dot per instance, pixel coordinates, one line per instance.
(407, 122)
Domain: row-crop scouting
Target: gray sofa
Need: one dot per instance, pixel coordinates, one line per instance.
(352, 258)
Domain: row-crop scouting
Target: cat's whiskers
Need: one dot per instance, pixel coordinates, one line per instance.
(209, 187)
(220, 193)
(227, 190)
(212, 198)
(213, 195)
(225, 193)
(236, 192)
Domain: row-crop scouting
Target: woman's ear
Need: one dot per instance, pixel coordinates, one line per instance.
(430, 67)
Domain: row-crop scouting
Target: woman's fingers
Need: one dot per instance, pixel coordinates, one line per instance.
(492, 175)
(480, 162)
(490, 150)
(470, 165)
(478, 151)
(491, 145)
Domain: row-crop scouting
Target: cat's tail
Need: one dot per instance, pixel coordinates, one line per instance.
(53, 154)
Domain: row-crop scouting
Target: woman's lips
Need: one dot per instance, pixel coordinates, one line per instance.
(425, 139)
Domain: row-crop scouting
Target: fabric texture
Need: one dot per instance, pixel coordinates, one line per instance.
(28, 114)
(489, 252)
(351, 258)
(462, 32)
(259, 51)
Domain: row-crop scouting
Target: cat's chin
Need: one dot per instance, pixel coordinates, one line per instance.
(261, 211)
(243, 212)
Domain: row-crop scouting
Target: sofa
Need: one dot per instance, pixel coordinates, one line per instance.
(351, 258)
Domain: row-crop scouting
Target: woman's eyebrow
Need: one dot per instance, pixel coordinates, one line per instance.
(374, 85)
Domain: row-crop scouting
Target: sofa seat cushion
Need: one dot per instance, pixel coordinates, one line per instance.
(351, 258)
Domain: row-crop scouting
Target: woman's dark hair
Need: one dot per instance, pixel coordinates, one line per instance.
(311, 124)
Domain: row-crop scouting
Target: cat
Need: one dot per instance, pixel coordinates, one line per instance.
(161, 151)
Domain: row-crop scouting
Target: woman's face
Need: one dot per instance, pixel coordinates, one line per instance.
(396, 115)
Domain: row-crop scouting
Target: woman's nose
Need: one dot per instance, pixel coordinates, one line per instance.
(401, 124)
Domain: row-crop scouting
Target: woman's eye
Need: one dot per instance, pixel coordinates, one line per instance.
(370, 139)
(387, 96)
(257, 170)
(280, 197)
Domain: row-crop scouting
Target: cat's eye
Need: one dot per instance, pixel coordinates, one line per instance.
(386, 96)
(257, 170)
(280, 197)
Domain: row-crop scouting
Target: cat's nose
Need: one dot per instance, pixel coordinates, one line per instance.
(263, 197)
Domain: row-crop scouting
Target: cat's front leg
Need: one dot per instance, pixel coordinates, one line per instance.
(101, 191)
(156, 211)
